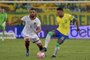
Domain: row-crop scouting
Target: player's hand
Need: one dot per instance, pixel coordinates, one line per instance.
(10, 24)
(36, 32)
(78, 29)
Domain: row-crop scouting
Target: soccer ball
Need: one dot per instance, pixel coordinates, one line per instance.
(41, 55)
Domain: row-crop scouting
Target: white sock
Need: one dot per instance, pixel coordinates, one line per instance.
(47, 40)
(56, 50)
(2, 36)
(3, 39)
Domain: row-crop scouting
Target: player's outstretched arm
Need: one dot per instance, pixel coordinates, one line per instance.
(77, 24)
(15, 22)
(38, 29)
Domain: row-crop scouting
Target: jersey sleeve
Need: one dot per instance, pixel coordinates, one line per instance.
(71, 17)
(23, 18)
(57, 20)
(5, 17)
(38, 23)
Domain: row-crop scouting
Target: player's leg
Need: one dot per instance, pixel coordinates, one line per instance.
(3, 33)
(57, 47)
(59, 42)
(2, 27)
(39, 44)
(47, 40)
(37, 41)
(27, 43)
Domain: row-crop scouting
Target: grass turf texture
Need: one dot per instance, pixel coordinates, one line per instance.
(70, 50)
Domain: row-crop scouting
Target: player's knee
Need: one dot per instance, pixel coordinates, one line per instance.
(61, 41)
(26, 39)
(38, 42)
(50, 33)
(26, 43)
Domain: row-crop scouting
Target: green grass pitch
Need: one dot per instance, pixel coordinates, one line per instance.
(70, 50)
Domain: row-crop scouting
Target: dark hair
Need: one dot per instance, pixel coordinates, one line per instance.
(33, 9)
(60, 9)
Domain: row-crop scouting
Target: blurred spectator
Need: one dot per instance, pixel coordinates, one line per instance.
(42, 7)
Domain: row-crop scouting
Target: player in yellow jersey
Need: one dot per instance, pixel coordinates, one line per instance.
(63, 22)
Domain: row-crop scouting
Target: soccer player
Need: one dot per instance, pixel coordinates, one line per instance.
(3, 19)
(63, 22)
(31, 28)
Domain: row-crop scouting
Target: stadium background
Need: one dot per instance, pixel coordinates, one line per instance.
(47, 15)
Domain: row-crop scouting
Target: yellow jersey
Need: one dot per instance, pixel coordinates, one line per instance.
(64, 23)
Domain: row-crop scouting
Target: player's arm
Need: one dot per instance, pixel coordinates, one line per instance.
(77, 24)
(72, 18)
(15, 22)
(38, 29)
(19, 20)
(5, 18)
(57, 21)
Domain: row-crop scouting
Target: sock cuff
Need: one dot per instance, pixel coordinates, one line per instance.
(50, 33)
(57, 44)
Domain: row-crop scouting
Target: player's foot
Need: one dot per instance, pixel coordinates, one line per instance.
(44, 49)
(27, 53)
(2, 40)
(53, 56)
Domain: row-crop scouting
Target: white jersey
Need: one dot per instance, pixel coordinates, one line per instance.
(30, 26)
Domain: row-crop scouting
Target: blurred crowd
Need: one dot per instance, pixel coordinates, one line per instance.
(42, 7)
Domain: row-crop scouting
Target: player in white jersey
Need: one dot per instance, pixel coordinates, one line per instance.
(31, 28)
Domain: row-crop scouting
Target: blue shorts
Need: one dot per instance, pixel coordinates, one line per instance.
(60, 36)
